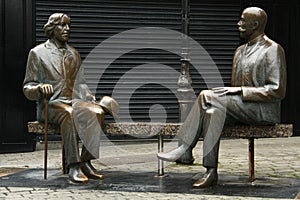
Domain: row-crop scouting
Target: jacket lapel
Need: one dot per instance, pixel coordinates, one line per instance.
(255, 45)
(56, 56)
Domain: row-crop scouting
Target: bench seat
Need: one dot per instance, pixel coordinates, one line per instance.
(171, 129)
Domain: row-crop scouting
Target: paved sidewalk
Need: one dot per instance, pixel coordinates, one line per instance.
(130, 169)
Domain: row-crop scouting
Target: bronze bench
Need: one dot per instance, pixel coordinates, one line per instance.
(171, 129)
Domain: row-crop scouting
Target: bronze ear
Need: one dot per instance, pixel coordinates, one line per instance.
(255, 25)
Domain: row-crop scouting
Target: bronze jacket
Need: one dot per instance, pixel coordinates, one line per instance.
(61, 68)
(259, 67)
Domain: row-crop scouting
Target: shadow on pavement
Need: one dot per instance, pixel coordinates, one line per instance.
(147, 182)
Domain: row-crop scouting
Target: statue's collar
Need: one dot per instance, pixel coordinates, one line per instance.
(52, 44)
(258, 39)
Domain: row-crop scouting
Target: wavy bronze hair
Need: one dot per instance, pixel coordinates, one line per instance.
(53, 20)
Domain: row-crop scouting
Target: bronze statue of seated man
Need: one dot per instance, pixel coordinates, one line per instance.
(54, 72)
(258, 85)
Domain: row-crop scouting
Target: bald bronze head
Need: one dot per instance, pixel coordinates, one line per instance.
(252, 23)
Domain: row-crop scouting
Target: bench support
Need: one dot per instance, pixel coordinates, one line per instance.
(160, 162)
(251, 159)
(171, 129)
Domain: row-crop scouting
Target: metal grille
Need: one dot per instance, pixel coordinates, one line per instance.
(213, 25)
(94, 21)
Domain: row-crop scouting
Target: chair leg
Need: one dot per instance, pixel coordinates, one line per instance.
(63, 159)
(251, 160)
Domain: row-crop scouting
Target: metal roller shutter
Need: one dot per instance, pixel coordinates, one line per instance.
(213, 25)
(94, 21)
(127, 76)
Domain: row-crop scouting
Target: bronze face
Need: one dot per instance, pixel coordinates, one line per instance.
(252, 23)
(246, 26)
(61, 31)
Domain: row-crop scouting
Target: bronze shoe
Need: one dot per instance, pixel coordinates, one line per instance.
(210, 178)
(76, 175)
(90, 171)
(173, 155)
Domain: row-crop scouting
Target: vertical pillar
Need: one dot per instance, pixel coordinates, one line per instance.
(15, 109)
(185, 91)
(1, 68)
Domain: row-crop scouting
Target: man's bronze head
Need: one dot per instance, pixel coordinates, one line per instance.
(252, 23)
(58, 27)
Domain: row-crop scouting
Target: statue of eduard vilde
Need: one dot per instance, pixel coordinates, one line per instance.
(54, 72)
(257, 87)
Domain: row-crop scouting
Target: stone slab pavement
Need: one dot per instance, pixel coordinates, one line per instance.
(130, 168)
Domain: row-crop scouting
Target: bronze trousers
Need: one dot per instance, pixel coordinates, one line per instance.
(78, 120)
(208, 117)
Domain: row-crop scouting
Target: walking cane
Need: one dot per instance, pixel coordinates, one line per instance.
(46, 138)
